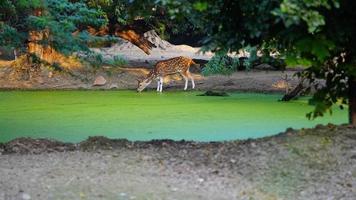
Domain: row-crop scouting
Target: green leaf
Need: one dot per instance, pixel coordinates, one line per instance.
(200, 6)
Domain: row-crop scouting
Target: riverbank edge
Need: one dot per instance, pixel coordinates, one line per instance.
(26, 145)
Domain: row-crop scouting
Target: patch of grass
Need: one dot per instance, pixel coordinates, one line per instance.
(97, 60)
(116, 61)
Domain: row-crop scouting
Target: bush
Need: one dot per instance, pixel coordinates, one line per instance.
(248, 63)
(277, 63)
(254, 59)
(96, 60)
(117, 61)
(221, 64)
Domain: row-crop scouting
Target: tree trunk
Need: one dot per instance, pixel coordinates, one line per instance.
(136, 39)
(352, 101)
(34, 46)
(15, 54)
(296, 92)
(127, 33)
(45, 53)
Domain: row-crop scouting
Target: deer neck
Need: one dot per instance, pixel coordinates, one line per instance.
(152, 75)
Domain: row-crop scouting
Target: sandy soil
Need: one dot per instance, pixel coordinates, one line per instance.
(308, 164)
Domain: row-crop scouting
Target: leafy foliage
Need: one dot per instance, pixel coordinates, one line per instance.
(221, 64)
(97, 60)
(63, 20)
(228, 25)
(325, 43)
(117, 61)
(154, 14)
(318, 34)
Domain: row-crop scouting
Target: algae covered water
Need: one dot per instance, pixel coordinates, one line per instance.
(72, 116)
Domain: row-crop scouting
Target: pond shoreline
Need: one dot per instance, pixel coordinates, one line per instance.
(317, 163)
(27, 145)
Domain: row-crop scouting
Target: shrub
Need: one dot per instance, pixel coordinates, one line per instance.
(221, 64)
(277, 63)
(117, 61)
(254, 59)
(96, 60)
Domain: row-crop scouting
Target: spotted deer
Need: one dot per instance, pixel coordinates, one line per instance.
(178, 65)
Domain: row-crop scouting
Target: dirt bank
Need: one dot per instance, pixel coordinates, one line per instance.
(126, 78)
(317, 163)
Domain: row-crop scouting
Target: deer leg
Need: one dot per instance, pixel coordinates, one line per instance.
(158, 84)
(183, 74)
(186, 82)
(191, 79)
(161, 81)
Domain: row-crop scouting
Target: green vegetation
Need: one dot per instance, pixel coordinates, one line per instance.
(97, 60)
(221, 64)
(318, 34)
(117, 61)
(74, 115)
(50, 23)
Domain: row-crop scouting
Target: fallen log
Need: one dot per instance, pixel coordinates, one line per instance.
(296, 92)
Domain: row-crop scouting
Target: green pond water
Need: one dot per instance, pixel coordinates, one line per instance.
(72, 116)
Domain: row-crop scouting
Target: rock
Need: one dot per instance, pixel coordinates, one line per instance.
(264, 66)
(123, 194)
(50, 74)
(99, 81)
(114, 86)
(25, 196)
(214, 93)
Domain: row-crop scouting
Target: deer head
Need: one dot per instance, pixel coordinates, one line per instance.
(142, 84)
